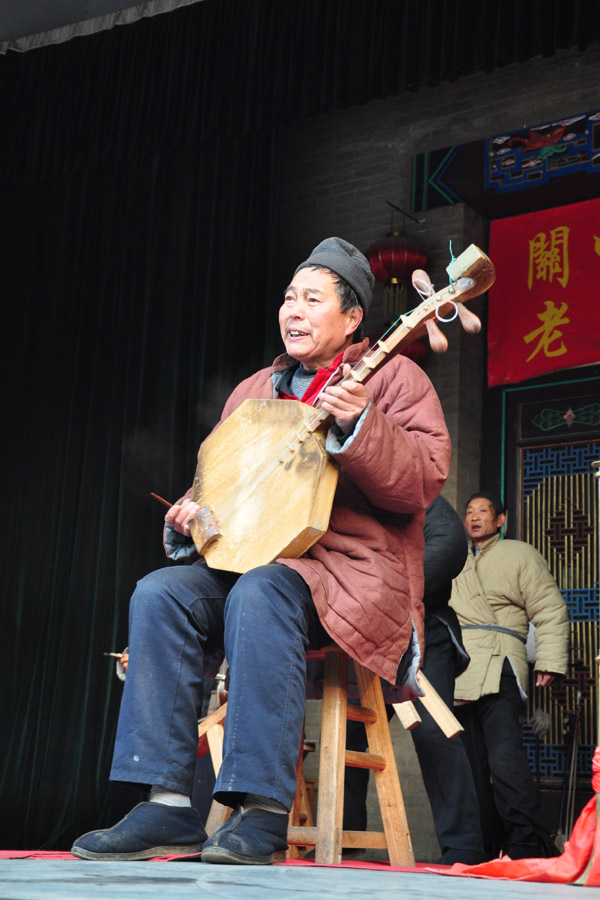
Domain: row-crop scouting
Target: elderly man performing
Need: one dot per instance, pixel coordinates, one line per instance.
(360, 585)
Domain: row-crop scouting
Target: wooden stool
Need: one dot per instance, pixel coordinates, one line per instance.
(327, 835)
(211, 729)
(210, 739)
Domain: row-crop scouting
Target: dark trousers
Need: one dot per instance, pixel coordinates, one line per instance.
(510, 811)
(264, 621)
(444, 763)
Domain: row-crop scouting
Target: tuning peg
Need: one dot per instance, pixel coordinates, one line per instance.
(422, 283)
(464, 284)
(469, 321)
(437, 339)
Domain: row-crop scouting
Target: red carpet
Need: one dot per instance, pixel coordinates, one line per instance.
(423, 868)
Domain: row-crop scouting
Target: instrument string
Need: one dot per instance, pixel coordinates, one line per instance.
(451, 290)
(450, 264)
(259, 473)
(423, 308)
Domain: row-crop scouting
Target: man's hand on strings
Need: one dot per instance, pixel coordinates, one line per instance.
(346, 401)
(180, 515)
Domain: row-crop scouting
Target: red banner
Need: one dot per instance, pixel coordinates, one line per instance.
(544, 309)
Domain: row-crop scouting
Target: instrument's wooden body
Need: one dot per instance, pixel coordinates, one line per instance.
(264, 478)
(268, 482)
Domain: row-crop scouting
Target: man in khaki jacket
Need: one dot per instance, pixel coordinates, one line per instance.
(505, 585)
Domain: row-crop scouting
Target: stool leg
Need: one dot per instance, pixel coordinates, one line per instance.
(301, 811)
(214, 736)
(330, 804)
(217, 816)
(387, 782)
(212, 727)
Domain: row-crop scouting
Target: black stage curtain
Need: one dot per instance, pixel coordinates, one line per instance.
(230, 66)
(128, 319)
(139, 174)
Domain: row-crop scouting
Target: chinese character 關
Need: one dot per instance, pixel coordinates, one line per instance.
(549, 257)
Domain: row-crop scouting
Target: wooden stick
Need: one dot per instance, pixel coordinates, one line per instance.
(407, 713)
(160, 499)
(434, 705)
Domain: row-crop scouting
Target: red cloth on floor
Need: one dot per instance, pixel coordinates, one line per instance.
(580, 860)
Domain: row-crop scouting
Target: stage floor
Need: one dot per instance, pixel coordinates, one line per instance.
(69, 879)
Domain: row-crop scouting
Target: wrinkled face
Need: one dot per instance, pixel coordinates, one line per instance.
(313, 327)
(481, 521)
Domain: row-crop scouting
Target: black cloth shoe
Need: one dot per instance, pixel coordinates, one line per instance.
(150, 829)
(253, 837)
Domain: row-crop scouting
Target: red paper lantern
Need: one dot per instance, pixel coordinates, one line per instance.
(393, 259)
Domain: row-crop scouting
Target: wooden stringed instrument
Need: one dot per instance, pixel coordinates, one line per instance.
(267, 463)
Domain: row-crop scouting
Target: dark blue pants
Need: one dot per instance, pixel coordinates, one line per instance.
(264, 621)
(444, 763)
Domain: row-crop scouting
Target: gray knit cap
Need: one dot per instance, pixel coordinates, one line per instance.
(347, 262)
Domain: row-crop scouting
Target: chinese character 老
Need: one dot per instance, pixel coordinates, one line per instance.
(548, 332)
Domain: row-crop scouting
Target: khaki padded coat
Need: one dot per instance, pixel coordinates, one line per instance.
(508, 584)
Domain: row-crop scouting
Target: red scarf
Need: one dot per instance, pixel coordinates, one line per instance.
(314, 388)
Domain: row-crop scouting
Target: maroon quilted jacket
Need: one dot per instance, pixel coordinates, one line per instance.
(366, 572)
